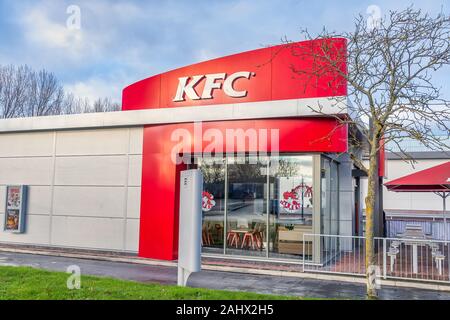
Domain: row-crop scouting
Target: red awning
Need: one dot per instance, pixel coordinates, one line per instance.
(435, 179)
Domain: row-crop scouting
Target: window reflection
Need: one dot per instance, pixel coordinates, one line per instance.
(213, 205)
(291, 215)
(329, 209)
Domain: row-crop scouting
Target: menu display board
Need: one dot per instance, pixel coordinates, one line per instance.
(15, 211)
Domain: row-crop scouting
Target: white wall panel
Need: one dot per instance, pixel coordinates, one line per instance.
(99, 233)
(92, 142)
(26, 144)
(39, 199)
(135, 170)
(134, 202)
(77, 196)
(29, 171)
(132, 238)
(37, 231)
(96, 170)
(411, 200)
(89, 201)
(2, 199)
(408, 200)
(136, 140)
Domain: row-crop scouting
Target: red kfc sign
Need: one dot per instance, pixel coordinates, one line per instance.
(258, 75)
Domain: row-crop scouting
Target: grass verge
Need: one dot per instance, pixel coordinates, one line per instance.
(26, 283)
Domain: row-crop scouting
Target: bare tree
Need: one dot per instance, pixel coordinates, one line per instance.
(104, 105)
(389, 70)
(45, 95)
(75, 105)
(14, 85)
(28, 93)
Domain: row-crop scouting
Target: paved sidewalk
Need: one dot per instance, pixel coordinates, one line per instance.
(217, 279)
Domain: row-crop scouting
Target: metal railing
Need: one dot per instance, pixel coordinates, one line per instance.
(334, 254)
(414, 259)
(395, 258)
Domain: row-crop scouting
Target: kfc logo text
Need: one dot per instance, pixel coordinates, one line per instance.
(186, 85)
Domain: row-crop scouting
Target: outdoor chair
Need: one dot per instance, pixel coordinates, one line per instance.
(395, 244)
(435, 251)
(392, 253)
(434, 248)
(439, 259)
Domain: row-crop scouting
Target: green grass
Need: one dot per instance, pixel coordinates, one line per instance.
(25, 283)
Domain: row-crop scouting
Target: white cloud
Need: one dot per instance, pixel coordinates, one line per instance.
(121, 41)
(95, 88)
(40, 30)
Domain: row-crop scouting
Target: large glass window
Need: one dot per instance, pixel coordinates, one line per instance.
(255, 207)
(291, 209)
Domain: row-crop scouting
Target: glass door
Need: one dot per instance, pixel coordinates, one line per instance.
(329, 209)
(213, 204)
(246, 215)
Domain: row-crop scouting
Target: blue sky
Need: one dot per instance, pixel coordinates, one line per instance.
(120, 42)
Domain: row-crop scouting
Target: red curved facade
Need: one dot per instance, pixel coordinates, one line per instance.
(274, 78)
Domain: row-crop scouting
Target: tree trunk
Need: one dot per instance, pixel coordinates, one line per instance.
(370, 208)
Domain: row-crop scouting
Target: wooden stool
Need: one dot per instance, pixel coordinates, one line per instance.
(233, 239)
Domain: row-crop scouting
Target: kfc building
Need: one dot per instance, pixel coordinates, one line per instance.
(269, 144)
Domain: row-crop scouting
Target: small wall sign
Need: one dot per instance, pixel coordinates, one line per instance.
(15, 211)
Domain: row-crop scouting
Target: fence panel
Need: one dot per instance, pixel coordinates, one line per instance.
(334, 254)
(395, 258)
(416, 259)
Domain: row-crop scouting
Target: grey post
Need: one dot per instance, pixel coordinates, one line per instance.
(190, 224)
